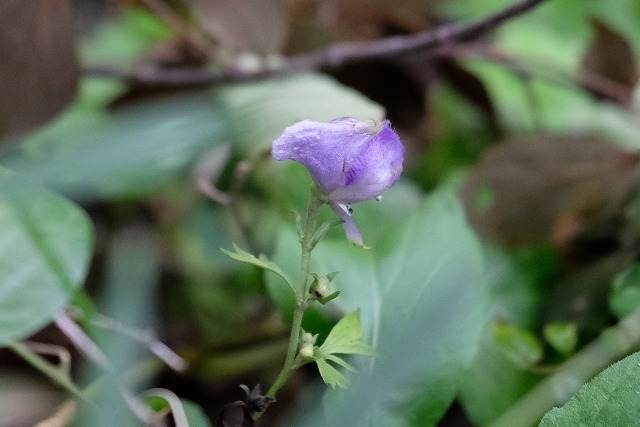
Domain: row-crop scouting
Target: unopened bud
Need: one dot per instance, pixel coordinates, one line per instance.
(321, 287)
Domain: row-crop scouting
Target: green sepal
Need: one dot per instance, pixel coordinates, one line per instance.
(261, 261)
(322, 230)
(328, 298)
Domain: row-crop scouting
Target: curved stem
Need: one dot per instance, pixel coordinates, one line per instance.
(302, 303)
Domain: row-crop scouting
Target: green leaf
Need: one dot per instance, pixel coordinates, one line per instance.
(610, 399)
(625, 294)
(331, 375)
(345, 338)
(45, 249)
(129, 151)
(562, 336)
(195, 414)
(422, 298)
(260, 111)
(520, 346)
(262, 262)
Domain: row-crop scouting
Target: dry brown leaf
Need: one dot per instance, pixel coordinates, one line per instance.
(38, 67)
(609, 69)
(548, 188)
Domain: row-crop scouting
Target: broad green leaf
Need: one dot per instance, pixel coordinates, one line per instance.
(625, 294)
(45, 249)
(521, 347)
(562, 336)
(128, 151)
(261, 261)
(346, 338)
(610, 399)
(260, 111)
(421, 294)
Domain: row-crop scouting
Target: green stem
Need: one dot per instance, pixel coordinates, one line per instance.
(303, 302)
(55, 374)
(613, 344)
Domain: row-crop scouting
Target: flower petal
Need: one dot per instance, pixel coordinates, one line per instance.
(375, 169)
(325, 149)
(350, 227)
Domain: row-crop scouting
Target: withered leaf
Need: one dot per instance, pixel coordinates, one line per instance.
(609, 69)
(38, 67)
(548, 188)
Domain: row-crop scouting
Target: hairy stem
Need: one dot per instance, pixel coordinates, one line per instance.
(302, 303)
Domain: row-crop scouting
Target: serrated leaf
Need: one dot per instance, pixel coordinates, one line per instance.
(345, 338)
(610, 399)
(261, 261)
(45, 248)
(331, 375)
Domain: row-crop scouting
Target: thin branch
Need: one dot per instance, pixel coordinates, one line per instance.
(334, 56)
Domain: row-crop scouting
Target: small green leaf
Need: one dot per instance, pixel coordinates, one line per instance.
(610, 399)
(261, 261)
(521, 347)
(625, 294)
(328, 298)
(562, 336)
(345, 338)
(331, 375)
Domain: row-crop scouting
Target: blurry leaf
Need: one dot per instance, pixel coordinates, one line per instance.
(261, 261)
(244, 25)
(625, 294)
(259, 112)
(520, 346)
(39, 71)
(546, 188)
(130, 152)
(45, 249)
(493, 383)
(609, 68)
(562, 336)
(610, 399)
(195, 414)
(421, 307)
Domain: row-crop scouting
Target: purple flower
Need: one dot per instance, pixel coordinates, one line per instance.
(349, 160)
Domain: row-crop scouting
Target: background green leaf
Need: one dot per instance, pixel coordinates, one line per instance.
(422, 300)
(45, 249)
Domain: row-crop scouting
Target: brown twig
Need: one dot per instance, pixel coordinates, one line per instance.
(334, 56)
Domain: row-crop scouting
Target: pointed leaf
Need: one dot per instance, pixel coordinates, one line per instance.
(261, 262)
(345, 338)
(331, 375)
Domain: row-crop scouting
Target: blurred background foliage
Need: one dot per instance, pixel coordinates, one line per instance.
(135, 138)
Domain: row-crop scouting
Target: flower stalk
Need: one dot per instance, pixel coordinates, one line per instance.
(303, 301)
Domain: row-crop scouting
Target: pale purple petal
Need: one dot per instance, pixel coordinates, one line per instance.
(326, 149)
(349, 225)
(376, 168)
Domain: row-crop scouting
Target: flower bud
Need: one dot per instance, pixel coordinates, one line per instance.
(349, 160)
(307, 345)
(321, 287)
